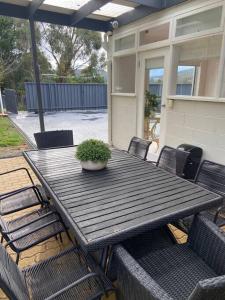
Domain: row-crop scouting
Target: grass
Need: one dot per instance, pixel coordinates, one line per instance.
(8, 134)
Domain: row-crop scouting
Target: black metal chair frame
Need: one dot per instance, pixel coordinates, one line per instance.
(139, 140)
(11, 242)
(17, 170)
(13, 279)
(40, 200)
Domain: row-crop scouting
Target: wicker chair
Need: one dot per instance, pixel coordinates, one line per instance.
(172, 160)
(68, 275)
(210, 176)
(155, 239)
(194, 270)
(139, 147)
(53, 139)
(31, 229)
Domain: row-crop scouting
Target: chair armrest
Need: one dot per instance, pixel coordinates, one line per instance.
(30, 232)
(19, 169)
(37, 193)
(211, 289)
(133, 281)
(74, 284)
(29, 223)
(152, 162)
(208, 241)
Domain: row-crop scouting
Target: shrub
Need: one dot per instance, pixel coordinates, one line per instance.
(94, 150)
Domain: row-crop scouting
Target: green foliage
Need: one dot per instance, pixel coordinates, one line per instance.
(8, 134)
(13, 43)
(151, 104)
(70, 47)
(94, 150)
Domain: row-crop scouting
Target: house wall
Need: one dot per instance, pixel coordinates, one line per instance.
(198, 120)
(198, 123)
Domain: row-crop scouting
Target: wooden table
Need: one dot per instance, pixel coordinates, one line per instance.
(127, 198)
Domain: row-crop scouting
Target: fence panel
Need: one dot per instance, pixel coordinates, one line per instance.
(63, 96)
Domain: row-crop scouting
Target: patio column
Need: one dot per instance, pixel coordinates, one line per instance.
(36, 74)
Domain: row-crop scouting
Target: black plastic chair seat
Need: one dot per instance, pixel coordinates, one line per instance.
(176, 269)
(19, 201)
(37, 236)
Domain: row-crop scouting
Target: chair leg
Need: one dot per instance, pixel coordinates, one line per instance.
(68, 235)
(60, 237)
(17, 258)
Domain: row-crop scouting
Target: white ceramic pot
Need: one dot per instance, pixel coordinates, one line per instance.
(93, 166)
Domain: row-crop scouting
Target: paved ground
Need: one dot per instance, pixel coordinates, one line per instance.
(85, 124)
(50, 247)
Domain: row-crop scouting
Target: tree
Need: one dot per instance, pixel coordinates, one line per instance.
(97, 64)
(13, 44)
(71, 48)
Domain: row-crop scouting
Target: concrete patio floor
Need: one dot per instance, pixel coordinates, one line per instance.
(85, 124)
(50, 247)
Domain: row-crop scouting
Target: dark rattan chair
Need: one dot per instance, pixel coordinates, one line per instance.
(54, 139)
(194, 270)
(210, 176)
(68, 275)
(139, 147)
(153, 240)
(31, 229)
(172, 160)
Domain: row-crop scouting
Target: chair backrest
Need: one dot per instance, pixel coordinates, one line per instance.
(52, 139)
(11, 278)
(139, 147)
(211, 176)
(172, 160)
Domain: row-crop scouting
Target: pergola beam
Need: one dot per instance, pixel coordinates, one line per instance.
(156, 4)
(22, 12)
(86, 10)
(34, 6)
(134, 15)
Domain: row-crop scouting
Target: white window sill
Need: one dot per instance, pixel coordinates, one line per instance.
(196, 98)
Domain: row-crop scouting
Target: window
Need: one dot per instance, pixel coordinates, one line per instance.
(186, 76)
(124, 74)
(196, 67)
(154, 34)
(124, 43)
(205, 20)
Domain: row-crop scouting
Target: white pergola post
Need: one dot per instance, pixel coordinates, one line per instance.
(1, 103)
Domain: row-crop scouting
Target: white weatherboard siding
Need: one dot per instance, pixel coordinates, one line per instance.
(195, 120)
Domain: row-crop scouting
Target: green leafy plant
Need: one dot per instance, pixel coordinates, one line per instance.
(151, 104)
(94, 150)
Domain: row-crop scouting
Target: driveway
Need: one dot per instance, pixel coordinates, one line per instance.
(85, 124)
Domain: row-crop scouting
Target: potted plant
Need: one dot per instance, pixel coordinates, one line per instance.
(151, 104)
(93, 154)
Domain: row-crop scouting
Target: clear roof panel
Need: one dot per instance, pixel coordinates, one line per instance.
(113, 10)
(69, 4)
